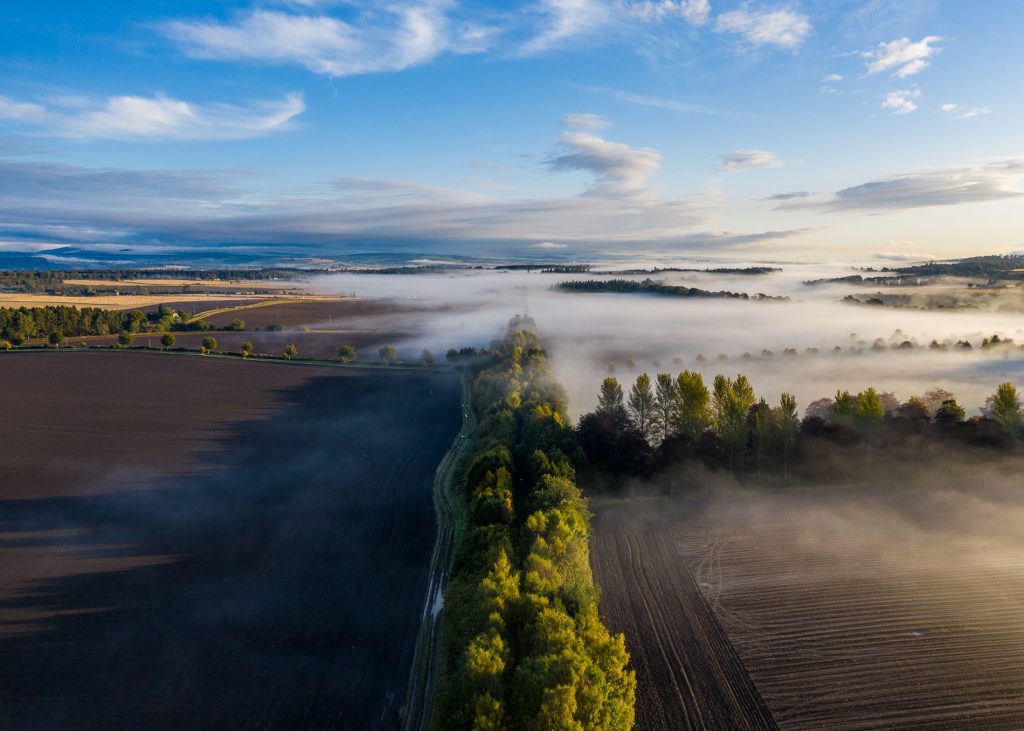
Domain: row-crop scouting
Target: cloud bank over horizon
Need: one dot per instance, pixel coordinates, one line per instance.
(591, 125)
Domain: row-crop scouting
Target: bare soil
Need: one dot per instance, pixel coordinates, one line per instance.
(895, 608)
(688, 674)
(188, 542)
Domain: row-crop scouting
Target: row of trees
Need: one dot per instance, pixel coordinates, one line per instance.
(651, 286)
(19, 324)
(672, 418)
(524, 646)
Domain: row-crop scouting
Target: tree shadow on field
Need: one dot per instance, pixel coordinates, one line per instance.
(280, 587)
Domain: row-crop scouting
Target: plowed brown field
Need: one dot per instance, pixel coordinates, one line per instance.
(848, 611)
(189, 542)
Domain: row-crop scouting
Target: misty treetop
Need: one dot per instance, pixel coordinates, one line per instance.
(679, 418)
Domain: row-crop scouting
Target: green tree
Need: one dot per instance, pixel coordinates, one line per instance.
(842, 408)
(868, 415)
(168, 340)
(1005, 407)
(237, 325)
(247, 348)
(643, 407)
(692, 412)
(290, 351)
(789, 425)
(732, 400)
(209, 345)
(762, 423)
(124, 338)
(56, 338)
(427, 357)
(950, 413)
(665, 404)
(610, 401)
(387, 354)
(346, 353)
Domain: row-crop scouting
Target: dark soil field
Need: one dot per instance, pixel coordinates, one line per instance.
(316, 314)
(188, 542)
(199, 305)
(688, 674)
(849, 611)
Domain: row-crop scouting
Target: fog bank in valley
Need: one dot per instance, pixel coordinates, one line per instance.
(586, 332)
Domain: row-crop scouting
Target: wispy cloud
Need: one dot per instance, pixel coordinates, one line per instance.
(20, 111)
(657, 102)
(990, 181)
(746, 159)
(958, 111)
(157, 118)
(901, 102)
(795, 195)
(548, 246)
(905, 56)
(391, 38)
(782, 28)
(695, 12)
(565, 20)
(585, 121)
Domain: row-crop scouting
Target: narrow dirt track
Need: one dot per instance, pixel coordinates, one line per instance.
(688, 674)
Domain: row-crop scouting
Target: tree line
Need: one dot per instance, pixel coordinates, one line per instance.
(41, 280)
(650, 286)
(671, 419)
(524, 647)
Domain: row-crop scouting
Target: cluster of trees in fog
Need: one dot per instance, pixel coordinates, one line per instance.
(650, 286)
(671, 419)
(898, 342)
(524, 645)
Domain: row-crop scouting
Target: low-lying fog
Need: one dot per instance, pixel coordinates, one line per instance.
(586, 332)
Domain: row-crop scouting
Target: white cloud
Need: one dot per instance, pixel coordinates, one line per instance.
(959, 111)
(585, 121)
(20, 111)
(161, 117)
(695, 12)
(393, 38)
(783, 28)
(900, 101)
(832, 77)
(548, 246)
(746, 159)
(905, 56)
(565, 20)
(990, 181)
(620, 171)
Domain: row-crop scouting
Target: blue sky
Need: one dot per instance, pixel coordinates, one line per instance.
(738, 129)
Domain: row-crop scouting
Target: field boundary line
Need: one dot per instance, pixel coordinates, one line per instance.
(418, 707)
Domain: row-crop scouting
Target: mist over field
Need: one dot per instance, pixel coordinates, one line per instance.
(585, 332)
